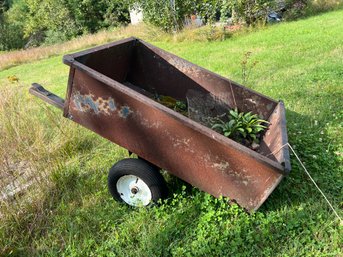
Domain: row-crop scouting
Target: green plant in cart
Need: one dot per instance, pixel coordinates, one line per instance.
(245, 128)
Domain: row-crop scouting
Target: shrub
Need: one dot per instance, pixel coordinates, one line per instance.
(35, 22)
(50, 37)
(165, 14)
(295, 9)
(208, 10)
(250, 12)
(170, 15)
(91, 15)
(49, 15)
(317, 6)
(11, 26)
(117, 13)
(11, 36)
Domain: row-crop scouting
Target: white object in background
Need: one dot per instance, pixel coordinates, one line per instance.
(136, 15)
(198, 21)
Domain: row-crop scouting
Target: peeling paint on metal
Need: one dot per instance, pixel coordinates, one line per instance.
(100, 105)
(94, 105)
(223, 166)
(183, 143)
(125, 111)
(146, 123)
(111, 104)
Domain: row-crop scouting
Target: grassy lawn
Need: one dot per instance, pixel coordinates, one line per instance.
(69, 212)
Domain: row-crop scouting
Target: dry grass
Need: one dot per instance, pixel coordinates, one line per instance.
(22, 145)
(31, 145)
(202, 34)
(38, 151)
(142, 31)
(13, 58)
(37, 147)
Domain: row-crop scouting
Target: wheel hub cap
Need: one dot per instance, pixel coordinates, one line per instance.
(133, 190)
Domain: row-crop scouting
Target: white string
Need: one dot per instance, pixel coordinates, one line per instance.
(272, 153)
(308, 174)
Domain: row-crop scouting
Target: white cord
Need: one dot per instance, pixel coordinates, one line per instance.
(308, 174)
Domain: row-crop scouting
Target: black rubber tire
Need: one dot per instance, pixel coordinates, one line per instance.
(145, 171)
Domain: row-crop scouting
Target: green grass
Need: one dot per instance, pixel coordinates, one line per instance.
(72, 214)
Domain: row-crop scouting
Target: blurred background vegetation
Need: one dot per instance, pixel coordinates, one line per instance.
(30, 23)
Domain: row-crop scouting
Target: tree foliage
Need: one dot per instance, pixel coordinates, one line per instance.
(11, 30)
(33, 22)
(50, 21)
(170, 14)
(49, 15)
(251, 11)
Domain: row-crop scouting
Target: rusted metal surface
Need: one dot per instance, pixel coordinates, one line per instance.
(102, 97)
(230, 92)
(276, 137)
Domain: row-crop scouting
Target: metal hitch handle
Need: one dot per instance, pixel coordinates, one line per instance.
(39, 91)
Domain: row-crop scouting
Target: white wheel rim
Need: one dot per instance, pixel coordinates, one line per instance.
(133, 190)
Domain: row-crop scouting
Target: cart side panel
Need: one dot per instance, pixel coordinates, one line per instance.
(152, 73)
(113, 62)
(170, 143)
(229, 92)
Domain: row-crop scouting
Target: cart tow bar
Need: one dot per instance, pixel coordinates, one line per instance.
(47, 96)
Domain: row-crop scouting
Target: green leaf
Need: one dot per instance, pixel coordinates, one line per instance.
(233, 113)
(263, 121)
(231, 123)
(227, 134)
(222, 127)
(258, 129)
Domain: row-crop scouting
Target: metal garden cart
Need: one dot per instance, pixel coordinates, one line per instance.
(109, 92)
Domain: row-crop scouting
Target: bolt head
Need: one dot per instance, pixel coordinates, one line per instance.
(134, 190)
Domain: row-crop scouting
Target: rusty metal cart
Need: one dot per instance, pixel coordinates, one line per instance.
(107, 93)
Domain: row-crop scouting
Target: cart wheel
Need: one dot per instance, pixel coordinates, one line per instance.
(136, 182)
